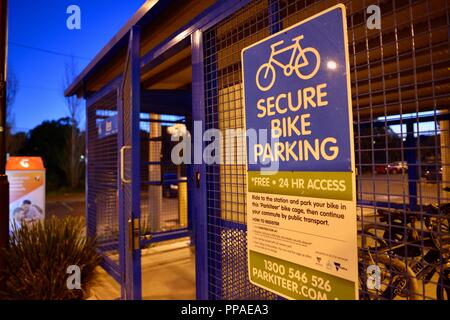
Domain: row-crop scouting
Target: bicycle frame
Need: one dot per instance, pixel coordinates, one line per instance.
(426, 265)
(423, 269)
(288, 68)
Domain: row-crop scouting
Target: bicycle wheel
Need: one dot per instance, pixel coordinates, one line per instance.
(395, 277)
(312, 56)
(265, 77)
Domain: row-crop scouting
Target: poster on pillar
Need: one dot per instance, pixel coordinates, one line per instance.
(301, 197)
(26, 190)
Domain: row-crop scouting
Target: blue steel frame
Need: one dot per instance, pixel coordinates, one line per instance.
(212, 212)
(122, 224)
(275, 24)
(198, 191)
(86, 174)
(133, 256)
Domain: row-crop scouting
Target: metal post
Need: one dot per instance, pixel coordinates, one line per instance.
(135, 156)
(4, 184)
(198, 193)
(274, 16)
(120, 196)
(154, 173)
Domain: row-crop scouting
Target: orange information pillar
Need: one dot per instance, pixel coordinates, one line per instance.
(27, 190)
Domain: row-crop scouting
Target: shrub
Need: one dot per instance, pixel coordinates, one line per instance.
(37, 258)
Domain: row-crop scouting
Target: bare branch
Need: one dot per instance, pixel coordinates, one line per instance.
(12, 86)
(73, 103)
(73, 167)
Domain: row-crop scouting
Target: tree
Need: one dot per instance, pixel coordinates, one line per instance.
(12, 86)
(73, 167)
(49, 141)
(13, 141)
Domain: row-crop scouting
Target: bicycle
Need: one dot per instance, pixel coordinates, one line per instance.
(297, 62)
(395, 277)
(426, 254)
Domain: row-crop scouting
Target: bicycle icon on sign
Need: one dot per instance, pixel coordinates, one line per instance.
(266, 74)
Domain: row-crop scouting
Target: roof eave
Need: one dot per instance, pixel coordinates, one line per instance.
(77, 86)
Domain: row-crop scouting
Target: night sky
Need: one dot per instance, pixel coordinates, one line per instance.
(39, 26)
(36, 25)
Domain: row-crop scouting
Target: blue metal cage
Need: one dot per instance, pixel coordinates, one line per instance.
(400, 96)
(400, 103)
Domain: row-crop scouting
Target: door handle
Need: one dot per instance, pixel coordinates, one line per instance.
(122, 164)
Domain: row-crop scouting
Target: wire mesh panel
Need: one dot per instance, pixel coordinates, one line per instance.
(102, 202)
(400, 95)
(164, 183)
(226, 199)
